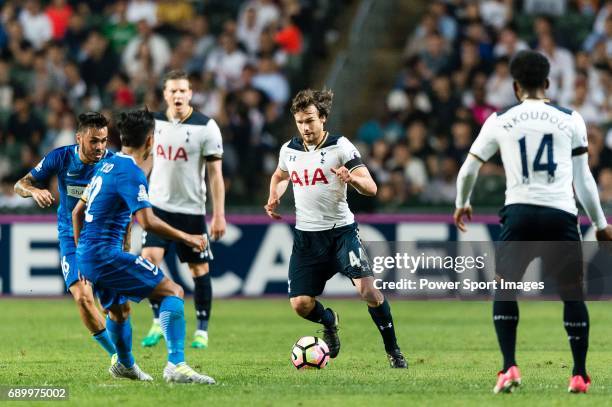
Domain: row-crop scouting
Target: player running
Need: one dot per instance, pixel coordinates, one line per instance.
(544, 151)
(326, 240)
(74, 166)
(184, 140)
(117, 191)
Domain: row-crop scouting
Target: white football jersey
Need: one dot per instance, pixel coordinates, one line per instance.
(180, 150)
(320, 197)
(537, 141)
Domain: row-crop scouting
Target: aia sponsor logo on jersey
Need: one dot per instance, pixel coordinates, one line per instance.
(305, 179)
(168, 153)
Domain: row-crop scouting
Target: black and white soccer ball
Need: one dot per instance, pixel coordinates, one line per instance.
(310, 352)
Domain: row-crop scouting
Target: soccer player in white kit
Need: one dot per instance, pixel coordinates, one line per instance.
(187, 144)
(326, 240)
(544, 153)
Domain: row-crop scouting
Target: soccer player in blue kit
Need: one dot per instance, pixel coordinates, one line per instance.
(118, 190)
(74, 166)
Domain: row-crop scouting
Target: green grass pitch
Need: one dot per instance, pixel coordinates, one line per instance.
(451, 348)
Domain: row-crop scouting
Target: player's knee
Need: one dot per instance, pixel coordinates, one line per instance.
(175, 290)
(198, 269)
(84, 301)
(179, 291)
(302, 305)
(120, 313)
(82, 298)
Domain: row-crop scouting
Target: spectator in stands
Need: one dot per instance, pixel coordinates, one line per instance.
(499, 90)
(59, 13)
(98, 61)
(442, 189)
(589, 111)
(76, 34)
(267, 12)
(172, 14)
(36, 25)
(158, 47)
(597, 37)
(562, 71)
(444, 103)
(509, 43)
(204, 40)
(600, 155)
(605, 186)
(447, 25)
(118, 29)
(496, 13)
(289, 37)
(23, 125)
(75, 85)
(225, 62)
(436, 56)
(139, 10)
(249, 30)
(269, 80)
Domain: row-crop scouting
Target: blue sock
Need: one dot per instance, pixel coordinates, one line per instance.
(172, 321)
(121, 334)
(105, 341)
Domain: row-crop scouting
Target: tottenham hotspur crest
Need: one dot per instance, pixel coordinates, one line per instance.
(323, 156)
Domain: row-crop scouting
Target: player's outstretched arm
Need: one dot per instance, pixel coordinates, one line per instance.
(278, 185)
(25, 188)
(78, 214)
(359, 178)
(217, 190)
(466, 179)
(586, 192)
(151, 223)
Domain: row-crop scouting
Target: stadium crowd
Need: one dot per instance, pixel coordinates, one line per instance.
(456, 73)
(59, 58)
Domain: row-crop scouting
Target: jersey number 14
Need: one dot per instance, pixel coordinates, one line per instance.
(549, 166)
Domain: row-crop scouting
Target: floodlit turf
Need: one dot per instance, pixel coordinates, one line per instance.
(450, 346)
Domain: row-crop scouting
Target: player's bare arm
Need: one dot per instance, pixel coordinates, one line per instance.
(78, 215)
(127, 240)
(217, 186)
(25, 188)
(151, 223)
(147, 165)
(359, 178)
(278, 186)
(466, 179)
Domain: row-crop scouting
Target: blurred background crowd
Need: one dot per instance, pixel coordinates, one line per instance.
(456, 73)
(60, 58)
(247, 58)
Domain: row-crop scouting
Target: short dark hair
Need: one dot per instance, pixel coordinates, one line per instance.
(530, 69)
(321, 99)
(175, 74)
(134, 126)
(91, 120)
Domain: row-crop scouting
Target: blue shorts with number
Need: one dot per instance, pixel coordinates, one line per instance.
(121, 276)
(68, 262)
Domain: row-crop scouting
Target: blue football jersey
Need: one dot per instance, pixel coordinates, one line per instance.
(72, 177)
(118, 189)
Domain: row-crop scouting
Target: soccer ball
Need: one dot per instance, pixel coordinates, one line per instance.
(310, 352)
